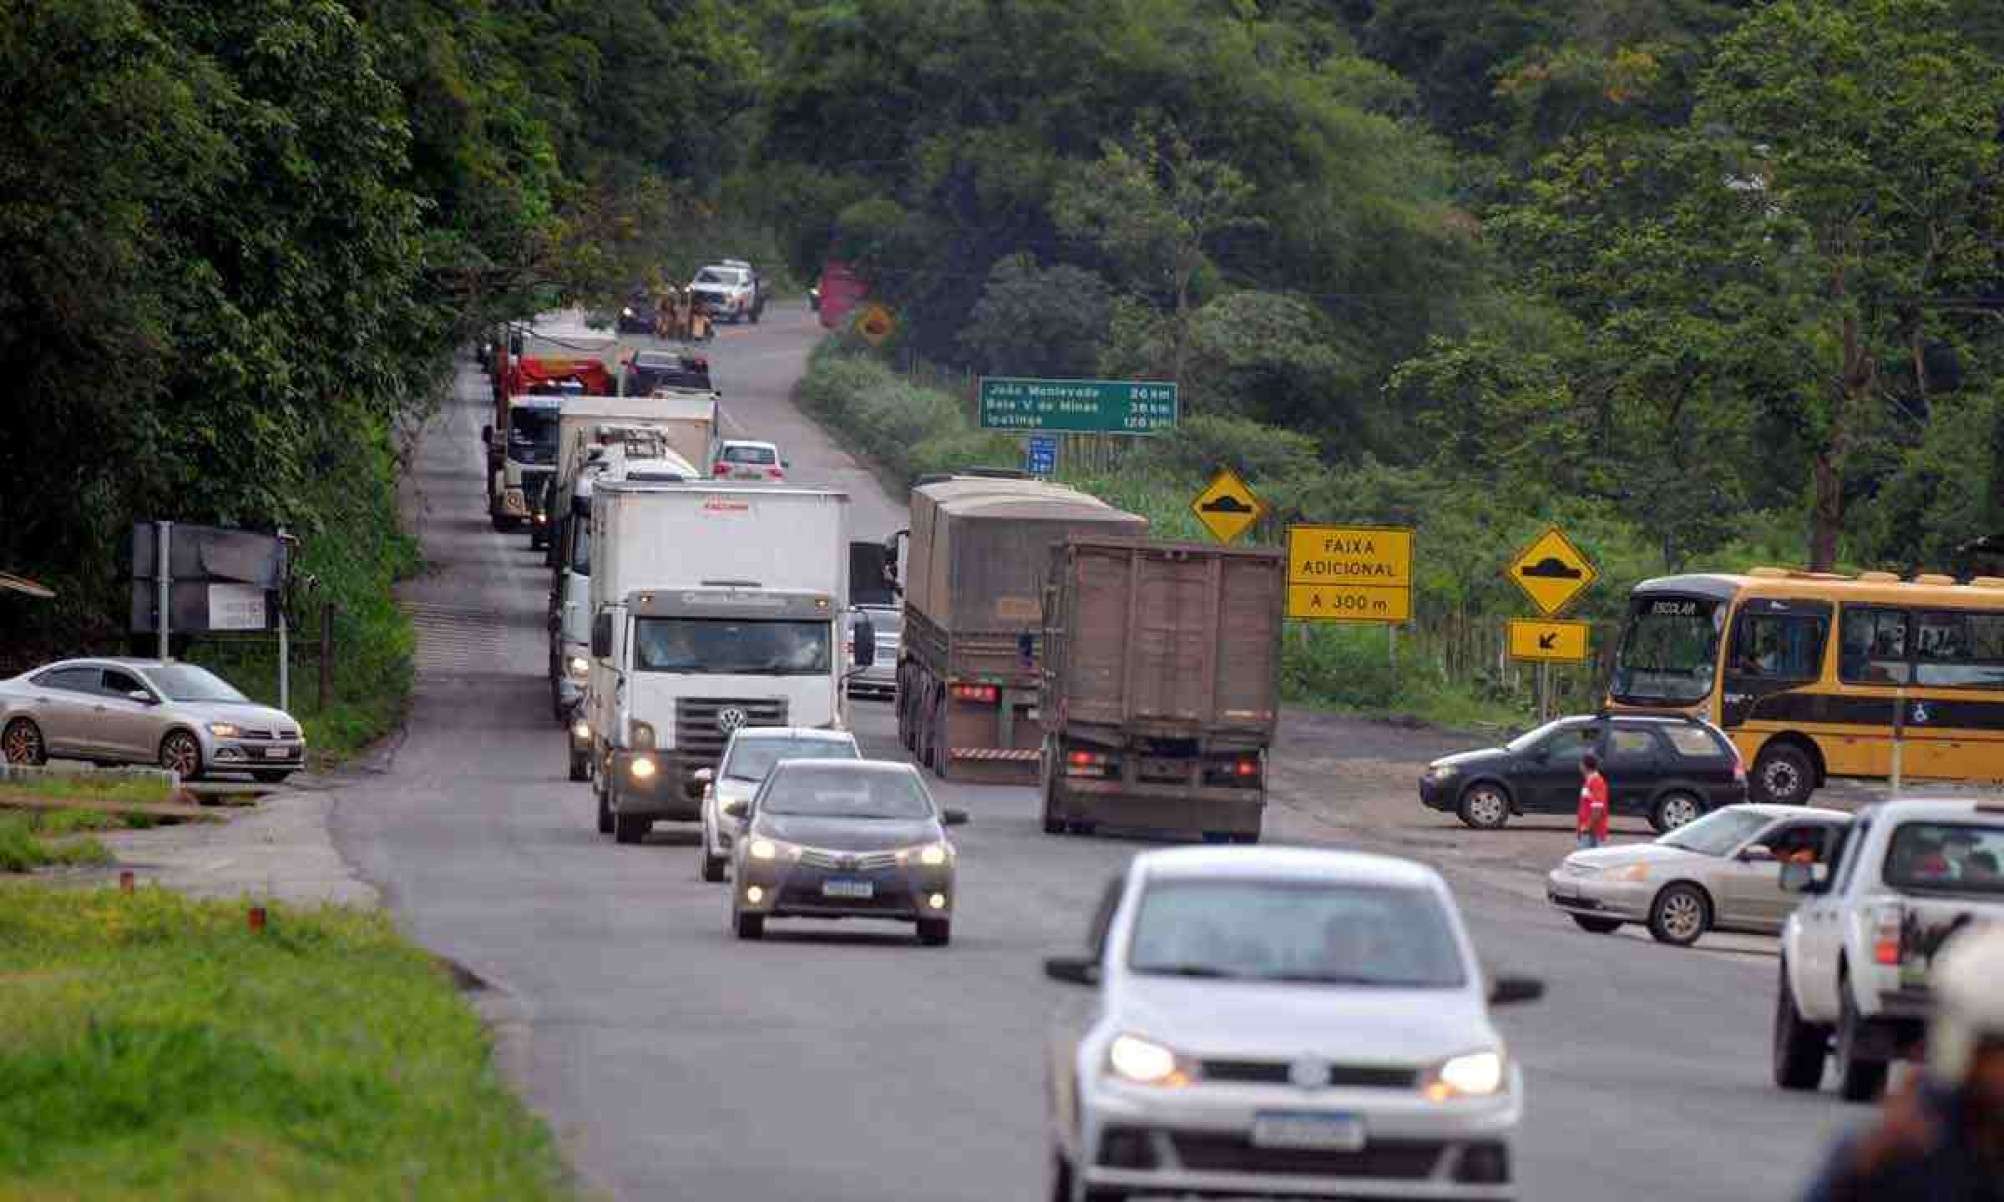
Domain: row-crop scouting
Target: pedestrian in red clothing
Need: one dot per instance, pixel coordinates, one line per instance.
(1593, 802)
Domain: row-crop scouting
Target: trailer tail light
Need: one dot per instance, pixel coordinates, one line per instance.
(1086, 763)
(1246, 767)
(721, 470)
(777, 473)
(1886, 939)
(985, 694)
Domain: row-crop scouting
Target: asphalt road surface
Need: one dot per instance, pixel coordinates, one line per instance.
(838, 1061)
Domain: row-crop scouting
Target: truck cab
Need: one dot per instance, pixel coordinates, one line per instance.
(1855, 954)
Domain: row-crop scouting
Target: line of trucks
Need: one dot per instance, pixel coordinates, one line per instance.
(1047, 640)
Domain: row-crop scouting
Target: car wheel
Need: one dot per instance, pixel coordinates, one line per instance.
(580, 766)
(1673, 810)
(935, 932)
(749, 926)
(22, 743)
(1061, 1177)
(1599, 926)
(270, 776)
(181, 754)
(1859, 1079)
(1800, 1046)
(628, 829)
(713, 866)
(1484, 806)
(604, 812)
(1680, 914)
(1783, 775)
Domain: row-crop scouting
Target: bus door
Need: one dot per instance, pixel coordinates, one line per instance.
(1875, 666)
(1953, 719)
(1774, 658)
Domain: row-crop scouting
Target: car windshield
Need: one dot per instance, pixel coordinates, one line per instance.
(751, 759)
(1947, 857)
(746, 452)
(1716, 833)
(720, 275)
(1531, 738)
(834, 791)
(728, 646)
(1308, 931)
(186, 682)
(1669, 652)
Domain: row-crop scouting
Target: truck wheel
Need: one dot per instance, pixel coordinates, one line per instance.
(749, 926)
(1800, 1046)
(942, 755)
(1859, 1079)
(1053, 825)
(580, 767)
(604, 812)
(628, 829)
(935, 932)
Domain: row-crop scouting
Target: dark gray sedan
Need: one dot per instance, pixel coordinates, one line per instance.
(844, 839)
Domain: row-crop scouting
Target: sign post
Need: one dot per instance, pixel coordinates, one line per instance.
(1040, 455)
(1078, 406)
(1350, 573)
(1552, 572)
(163, 578)
(1228, 507)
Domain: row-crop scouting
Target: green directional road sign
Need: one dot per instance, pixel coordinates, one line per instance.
(1078, 406)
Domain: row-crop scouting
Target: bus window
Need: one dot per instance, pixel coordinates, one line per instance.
(1959, 650)
(1778, 646)
(1875, 646)
(1668, 651)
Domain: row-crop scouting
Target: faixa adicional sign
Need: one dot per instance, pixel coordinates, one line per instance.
(1350, 573)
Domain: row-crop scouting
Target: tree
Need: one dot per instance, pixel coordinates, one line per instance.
(1035, 321)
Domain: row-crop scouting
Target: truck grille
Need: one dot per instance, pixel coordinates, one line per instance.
(700, 734)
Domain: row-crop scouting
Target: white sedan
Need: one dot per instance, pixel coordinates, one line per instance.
(750, 754)
(1282, 1021)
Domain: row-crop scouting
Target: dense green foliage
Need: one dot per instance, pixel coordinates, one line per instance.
(157, 1048)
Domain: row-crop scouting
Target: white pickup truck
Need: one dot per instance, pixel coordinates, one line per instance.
(1855, 955)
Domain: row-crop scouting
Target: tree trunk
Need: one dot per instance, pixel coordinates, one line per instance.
(1826, 512)
(1826, 509)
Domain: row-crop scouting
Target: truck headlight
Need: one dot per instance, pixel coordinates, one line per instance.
(642, 768)
(1145, 1062)
(579, 667)
(1471, 1075)
(581, 729)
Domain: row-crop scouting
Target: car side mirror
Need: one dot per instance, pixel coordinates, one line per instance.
(703, 776)
(734, 808)
(1758, 853)
(1511, 991)
(953, 816)
(143, 697)
(1072, 970)
(1802, 878)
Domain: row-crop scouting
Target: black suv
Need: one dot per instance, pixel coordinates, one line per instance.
(1669, 770)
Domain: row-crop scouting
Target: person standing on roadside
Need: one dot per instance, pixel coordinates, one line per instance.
(1593, 802)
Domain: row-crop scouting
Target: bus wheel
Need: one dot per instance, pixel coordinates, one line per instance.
(1783, 775)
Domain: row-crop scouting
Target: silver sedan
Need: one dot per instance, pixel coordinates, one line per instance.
(143, 711)
(1720, 873)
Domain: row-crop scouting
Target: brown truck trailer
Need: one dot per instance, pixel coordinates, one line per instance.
(968, 674)
(1161, 686)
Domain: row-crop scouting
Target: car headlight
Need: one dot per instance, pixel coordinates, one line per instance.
(771, 849)
(1145, 1062)
(223, 730)
(1471, 1075)
(642, 768)
(1442, 771)
(627, 311)
(1626, 872)
(579, 666)
(932, 855)
(581, 729)
(641, 735)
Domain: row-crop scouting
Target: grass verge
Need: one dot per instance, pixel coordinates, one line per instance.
(46, 840)
(153, 1047)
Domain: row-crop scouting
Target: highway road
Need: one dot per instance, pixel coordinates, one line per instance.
(836, 1062)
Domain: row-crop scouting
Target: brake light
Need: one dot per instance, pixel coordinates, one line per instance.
(776, 473)
(1886, 941)
(984, 693)
(722, 469)
(1246, 767)
(1085, 763)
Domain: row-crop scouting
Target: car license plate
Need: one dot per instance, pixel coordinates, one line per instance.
(1332, 1132)
(860, 890)
(277, 753)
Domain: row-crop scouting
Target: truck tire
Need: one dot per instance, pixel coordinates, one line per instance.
(935, 932)
(942, 756)
(604, 811)
(749, 926)
(1858, 1079)
(580, 767)
(629, 829)
(1053, 825)
(1783, 775)
(1800, 1046)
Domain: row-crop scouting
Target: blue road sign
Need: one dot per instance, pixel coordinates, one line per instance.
(1041, 455)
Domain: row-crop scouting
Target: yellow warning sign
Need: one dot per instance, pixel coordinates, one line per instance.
(875, 324)
(1228, 507)
(1552, 571)
(1548, 641)
(1350, 573)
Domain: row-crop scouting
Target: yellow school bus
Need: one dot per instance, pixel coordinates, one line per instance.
(1816, 674)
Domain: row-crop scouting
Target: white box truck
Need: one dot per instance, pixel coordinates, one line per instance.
(714, 607)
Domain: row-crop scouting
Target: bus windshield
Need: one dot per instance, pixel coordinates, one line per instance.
(1669, 651)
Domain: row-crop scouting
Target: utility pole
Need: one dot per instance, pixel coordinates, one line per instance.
(163, 578)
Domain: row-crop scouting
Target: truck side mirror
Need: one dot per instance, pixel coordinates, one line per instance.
(863, 637)
(601, 636)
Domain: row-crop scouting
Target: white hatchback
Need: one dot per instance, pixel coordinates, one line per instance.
(750, 754)
(1282, 1021)
(745, 459)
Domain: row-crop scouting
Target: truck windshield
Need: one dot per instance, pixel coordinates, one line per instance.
(1947, 857)
(1669, 651)
(532, 436)
(581, 546)
(730, 647)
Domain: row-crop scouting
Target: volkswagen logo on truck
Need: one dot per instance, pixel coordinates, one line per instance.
(730, 718)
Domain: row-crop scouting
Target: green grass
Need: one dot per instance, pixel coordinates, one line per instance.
(90, 786)
(153, 1047)
(24, 845)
